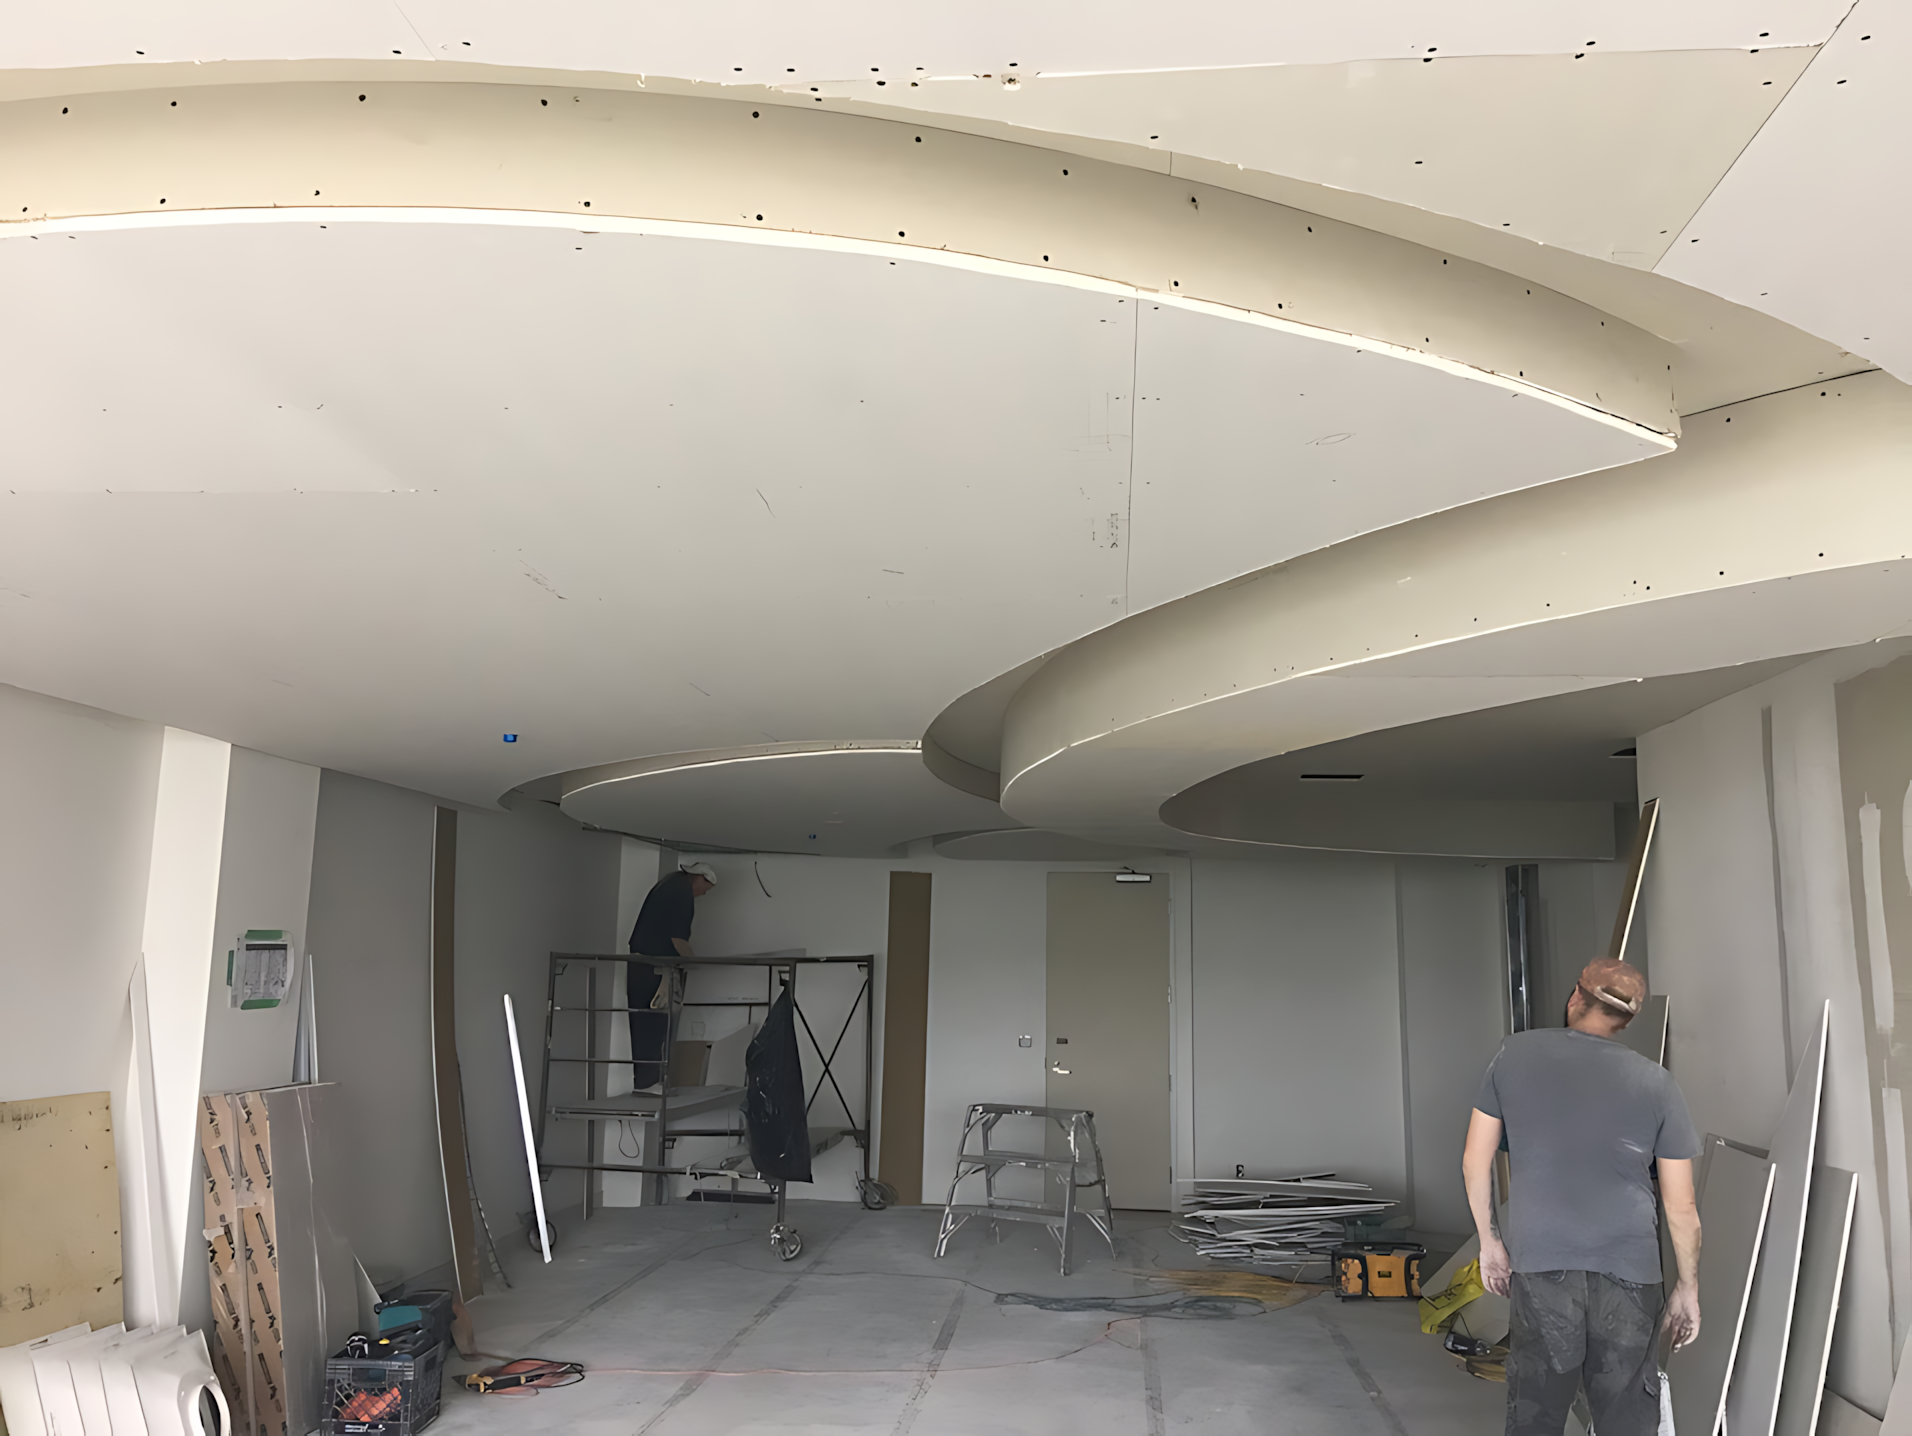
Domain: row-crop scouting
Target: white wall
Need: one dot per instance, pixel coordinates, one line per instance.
(825, 906)
(265, 881)
(1292, 993)
(1716, 940)
(76, 834)
(182, 896)
(1297, 1062)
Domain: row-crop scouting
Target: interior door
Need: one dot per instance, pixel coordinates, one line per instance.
(1107, 1044)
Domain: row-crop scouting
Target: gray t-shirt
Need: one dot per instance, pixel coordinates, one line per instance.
(1585, 1119)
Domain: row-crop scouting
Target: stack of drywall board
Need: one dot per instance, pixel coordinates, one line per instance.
(284, 1290)
(1777, 1226)
(1291, 1222)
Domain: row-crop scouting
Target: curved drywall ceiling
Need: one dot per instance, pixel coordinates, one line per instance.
(620, 494)
(764, 41)
(839, 800)
(819, 179)
(1779, 528)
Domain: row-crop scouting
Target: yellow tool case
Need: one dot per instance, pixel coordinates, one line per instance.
(1392, 1271)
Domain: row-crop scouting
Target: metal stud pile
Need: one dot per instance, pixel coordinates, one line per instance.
(1290, 1223)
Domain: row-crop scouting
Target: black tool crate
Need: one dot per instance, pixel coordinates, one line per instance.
(391, 1395)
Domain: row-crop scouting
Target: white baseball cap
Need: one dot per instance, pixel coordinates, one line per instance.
(700, 870)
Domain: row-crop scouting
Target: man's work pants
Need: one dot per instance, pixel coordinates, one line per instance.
(1571, 1328)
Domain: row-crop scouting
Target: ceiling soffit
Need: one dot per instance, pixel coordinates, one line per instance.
(1814, 221)
(1604, 153)
(1776, 530)
(1726, 351)
(1525, 780)
(762, 41)
(597, 157)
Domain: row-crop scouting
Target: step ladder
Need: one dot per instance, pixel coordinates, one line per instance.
(1076, 1167)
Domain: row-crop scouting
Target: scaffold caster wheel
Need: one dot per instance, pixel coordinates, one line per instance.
(786, 1242)
(531, 1235)
(876, 1195)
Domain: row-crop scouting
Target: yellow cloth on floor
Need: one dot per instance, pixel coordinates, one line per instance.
(1437, 1311)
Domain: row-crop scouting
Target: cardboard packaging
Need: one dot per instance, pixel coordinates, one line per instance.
(284, 1290)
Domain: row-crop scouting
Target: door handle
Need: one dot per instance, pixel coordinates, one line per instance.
(1058, 1069)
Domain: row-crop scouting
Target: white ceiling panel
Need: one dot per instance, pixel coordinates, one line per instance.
(1249, 452)
(762, 41)
(1604, 153)
(1813, 223)
(374, 495)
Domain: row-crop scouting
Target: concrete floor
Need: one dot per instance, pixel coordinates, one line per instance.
(689, 1324)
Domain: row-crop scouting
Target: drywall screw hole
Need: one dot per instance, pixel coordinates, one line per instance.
(63, 109)
(361, 99)
(542, 102)
(759, 216)
(162, 199)
(754, 115)
(587, 204)
(175, 104)
(1065, 172)
(900, 234)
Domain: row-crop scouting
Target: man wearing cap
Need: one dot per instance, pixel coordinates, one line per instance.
(663, 930)
(1588, 1124)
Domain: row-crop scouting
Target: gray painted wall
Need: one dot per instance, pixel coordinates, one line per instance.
(370, 922)
(530, 882)
(1451, 964)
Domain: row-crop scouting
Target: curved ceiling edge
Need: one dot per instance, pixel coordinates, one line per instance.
(1779, 527)
(580, 779)
(781, 174)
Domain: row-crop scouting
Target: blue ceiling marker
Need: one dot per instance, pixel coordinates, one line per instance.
(511, 737)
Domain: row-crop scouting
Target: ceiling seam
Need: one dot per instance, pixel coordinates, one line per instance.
(1741, 154)
(1135, 427)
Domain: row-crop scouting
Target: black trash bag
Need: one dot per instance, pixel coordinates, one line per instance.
(775, 1121)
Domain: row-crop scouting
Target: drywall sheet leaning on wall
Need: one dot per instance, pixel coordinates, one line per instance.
(1822, 1270)
(1752, 1404)
(285, 1292)
(59, 1216)
(1739, 1188)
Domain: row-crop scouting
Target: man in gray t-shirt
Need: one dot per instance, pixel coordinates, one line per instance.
(1588, 1124)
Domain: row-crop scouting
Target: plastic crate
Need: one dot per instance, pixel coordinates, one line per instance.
(393, 1395)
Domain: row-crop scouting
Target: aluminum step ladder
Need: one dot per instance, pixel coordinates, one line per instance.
(1076, 1168)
